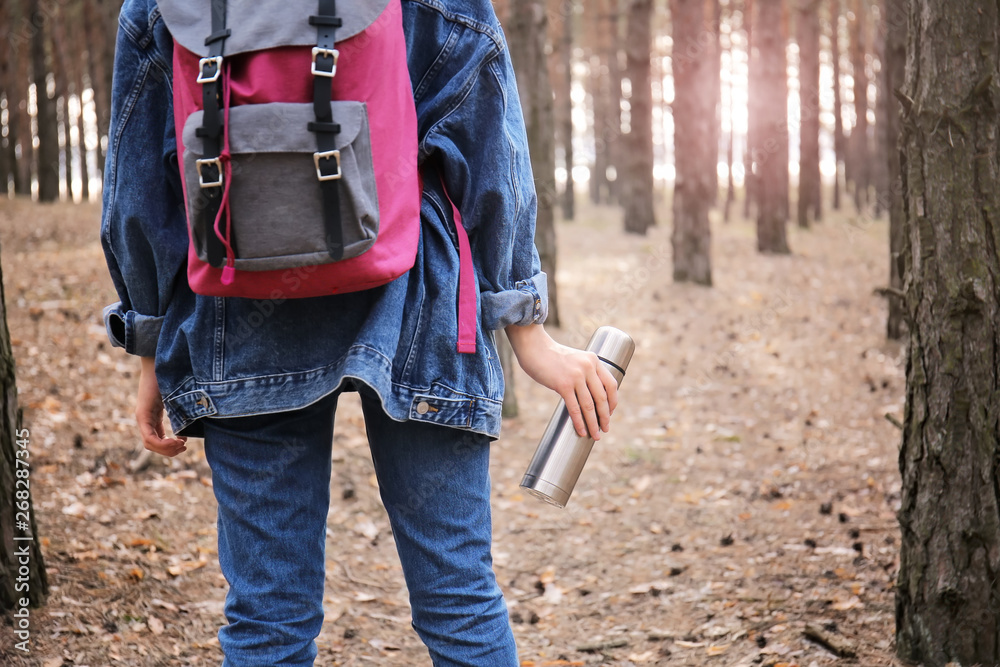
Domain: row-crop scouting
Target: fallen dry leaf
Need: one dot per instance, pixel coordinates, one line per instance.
(155, 625)
(847, 605)
(157, 602)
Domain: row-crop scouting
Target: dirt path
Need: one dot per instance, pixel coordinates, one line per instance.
(747, 488)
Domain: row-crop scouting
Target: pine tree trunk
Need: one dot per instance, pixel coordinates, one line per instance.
(82, 134)
(693, 120)
(730, 185)
(893, 72)
(510, 407)
(949, 576)
(63, 70)
(25, 137)
(6, 74)
(5, 164)
(638, 190)
(859, 133)
(713, 19)
(16, 90)
(597, 20)
(883, 106)
(808, 39)
(561, 19)
(753, 111)
(838, 107)
(94, 27)
(48, 127)
(22, 566)
(527, 45)
(569, 192)
(611, 46)
(780, 121)
(769, 150)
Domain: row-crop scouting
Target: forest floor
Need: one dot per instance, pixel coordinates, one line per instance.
(747, 488)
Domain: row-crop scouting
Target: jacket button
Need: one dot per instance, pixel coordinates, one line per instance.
(423, 407)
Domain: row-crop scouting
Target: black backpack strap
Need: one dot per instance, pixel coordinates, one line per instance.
(327, 157)
(210, 172)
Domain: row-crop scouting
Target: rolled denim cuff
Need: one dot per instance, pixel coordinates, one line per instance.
(527, 303)
(137, 333)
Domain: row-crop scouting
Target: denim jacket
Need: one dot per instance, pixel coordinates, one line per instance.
(229, 356)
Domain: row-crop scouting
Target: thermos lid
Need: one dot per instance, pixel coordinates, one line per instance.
(612, 345)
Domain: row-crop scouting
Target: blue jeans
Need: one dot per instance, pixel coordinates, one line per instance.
(271, 476)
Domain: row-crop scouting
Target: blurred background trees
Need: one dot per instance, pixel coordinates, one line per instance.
(788, 106)
(55, 86)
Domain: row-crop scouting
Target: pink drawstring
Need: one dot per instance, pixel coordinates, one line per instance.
(229, 270)
(466, 283)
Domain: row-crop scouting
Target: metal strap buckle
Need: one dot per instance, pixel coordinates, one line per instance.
(329, 53)
(204, 63)
(326, 155)
(218, 165)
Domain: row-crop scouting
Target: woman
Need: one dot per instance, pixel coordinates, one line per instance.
(259, 379)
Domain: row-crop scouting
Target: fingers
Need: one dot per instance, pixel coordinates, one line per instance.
(593, 398)
(610, 387)
(598, 389)
(153, 437)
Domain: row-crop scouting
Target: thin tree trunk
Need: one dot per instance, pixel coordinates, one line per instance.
(693, 118)
(597, 19)
(527, 45)
(780, 130)
(82, 135)
(6, 74)
(109, 16)
(612, 46)
(25, 137)
(713, 14)
(949, 574)
(566, 105)
(20, 546)
(808, 39)
(859, 133)
(893, 72)
(591, 17)
(753, 112)
(730, 186)
(48, 127)
(63, 70)
(883, 106)
(510, 407)
(16, 90)
(97, 37)
(838, 107)
(769, 152)
(638, 203)
(5, 162)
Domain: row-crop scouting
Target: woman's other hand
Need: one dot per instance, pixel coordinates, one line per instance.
(149, 414)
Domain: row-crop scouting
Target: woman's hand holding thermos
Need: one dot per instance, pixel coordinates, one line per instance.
(565, 446)
(586, 385)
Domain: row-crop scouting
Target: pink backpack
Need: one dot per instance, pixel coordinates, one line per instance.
(297, 138)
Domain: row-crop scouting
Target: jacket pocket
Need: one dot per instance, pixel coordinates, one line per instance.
(275, 198)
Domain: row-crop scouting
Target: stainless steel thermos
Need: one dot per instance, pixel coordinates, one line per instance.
(561, 454)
